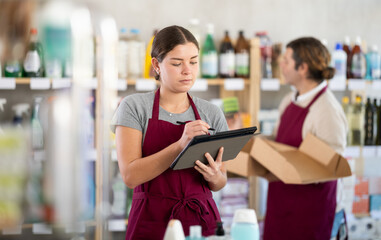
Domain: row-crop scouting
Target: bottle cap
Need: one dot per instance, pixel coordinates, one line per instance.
(135, 31)
(195, 231)
(358, 40)
(345, 100)
(347, 40)
(374, 48)
(245, 216)
(339, 46)
(220, 229)
(123, 30)
(20, 108)
(174, 230)
(33, 31)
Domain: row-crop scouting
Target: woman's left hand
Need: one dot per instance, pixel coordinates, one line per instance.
(212, 173)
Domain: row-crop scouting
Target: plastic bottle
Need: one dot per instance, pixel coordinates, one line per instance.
(148, 69)
(19, 111)
(195, 233)
(174, 230)
(37, 131)
(339, 62)
(266, 53)
(136, 54)
(119, 193)
(123, 54)
(373, 64)
(358, 62)
(375, 121)
(245, 225)
(56, 38)
(33, 62)
(13, 66)
(347, 49)
(227, 58)
(209, 59)
(219, 233)
(357, 123)
(242, 57)
(194, 28)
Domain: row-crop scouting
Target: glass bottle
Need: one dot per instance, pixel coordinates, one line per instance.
(242, 57)
(209, 59)
(369, 123)
(33, 62)
(227, 57)
(357, 123)
(13, 65)
(378, 135)
(358, 62)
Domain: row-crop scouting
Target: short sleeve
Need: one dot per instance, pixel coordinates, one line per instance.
(127, 114)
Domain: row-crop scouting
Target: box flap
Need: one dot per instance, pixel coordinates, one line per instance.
(343, 169)
(271, 159)
(316, 148)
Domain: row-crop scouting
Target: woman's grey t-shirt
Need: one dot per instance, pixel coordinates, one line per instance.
(135, 110)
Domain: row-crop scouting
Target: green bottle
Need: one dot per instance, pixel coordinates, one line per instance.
(33, 62)
(209, 59)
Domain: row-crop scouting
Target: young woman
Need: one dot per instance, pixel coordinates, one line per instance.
(306, 211)
(148, 139)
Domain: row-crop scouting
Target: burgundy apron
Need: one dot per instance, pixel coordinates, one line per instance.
(181, 194)
(299, 211)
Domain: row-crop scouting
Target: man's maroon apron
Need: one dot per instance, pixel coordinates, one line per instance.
(180, 194)
(299, 211)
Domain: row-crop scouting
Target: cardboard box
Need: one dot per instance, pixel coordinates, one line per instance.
(313, 161)
(362, 186)
(375, 202)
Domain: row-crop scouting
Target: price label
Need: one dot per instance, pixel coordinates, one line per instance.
(376, 84)
(16, 230)
(234, 84)
(7, 83)
(39, 83)
(75, 228)
(356, 84)
(200, 85)
(122, 84)
(117, 225)
(58, 83)
(378, 151)
(352, 151)
(145, 84)
(41, 228)
(337, 84)
(270, 84)
(369, 151)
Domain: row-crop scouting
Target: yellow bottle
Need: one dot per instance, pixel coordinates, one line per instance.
(148, 70)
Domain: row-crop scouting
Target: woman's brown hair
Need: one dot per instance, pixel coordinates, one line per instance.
(311, 51)
(167, 39)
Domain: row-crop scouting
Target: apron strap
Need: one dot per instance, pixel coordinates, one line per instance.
(316, 97)
(155, 109)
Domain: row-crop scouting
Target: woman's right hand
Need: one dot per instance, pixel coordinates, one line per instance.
(192, 129)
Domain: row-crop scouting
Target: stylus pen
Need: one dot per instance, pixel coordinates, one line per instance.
(210, 129)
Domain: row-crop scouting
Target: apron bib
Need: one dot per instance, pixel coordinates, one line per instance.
(299, 211)
(181, 194)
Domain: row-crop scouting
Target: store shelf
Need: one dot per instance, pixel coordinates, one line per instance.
(117, 225)
(47, 229)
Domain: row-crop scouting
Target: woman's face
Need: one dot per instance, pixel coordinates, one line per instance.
(179, 68)
(291, 75)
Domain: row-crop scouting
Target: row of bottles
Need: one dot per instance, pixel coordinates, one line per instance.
(36, 62)
(364, 121)
(355, 62)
